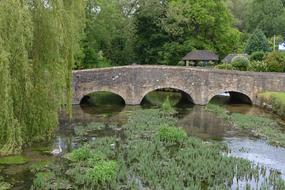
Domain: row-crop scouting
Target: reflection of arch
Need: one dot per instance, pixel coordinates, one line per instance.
(235, 96)
(86, 96)
(185, 94)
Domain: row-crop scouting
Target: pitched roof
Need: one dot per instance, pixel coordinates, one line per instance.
(201, 55)
(229, 58)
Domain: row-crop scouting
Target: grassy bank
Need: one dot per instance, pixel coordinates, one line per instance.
(276, 100)
(152, 154)
(259, 126)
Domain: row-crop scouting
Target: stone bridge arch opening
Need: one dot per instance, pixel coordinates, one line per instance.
(102, 98)
(157, 96)
(231, 97)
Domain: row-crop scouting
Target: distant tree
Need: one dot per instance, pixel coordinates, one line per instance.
(238, 9)
(108, 30)
(203, 24)
(268, 15)
(150, 36)
(257, 42)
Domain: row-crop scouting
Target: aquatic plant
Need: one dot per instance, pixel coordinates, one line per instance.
(91, 127)
(43, 180)
(103, 172)
(261, 127)
(10, 160)
(166, 106)
(40, 166)
(80, 154)
(172, 134)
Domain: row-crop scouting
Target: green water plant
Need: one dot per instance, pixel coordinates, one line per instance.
(81, 154)
(171, 135)
(13, 160)
(89, 128)
(261, 127)
(103, 172)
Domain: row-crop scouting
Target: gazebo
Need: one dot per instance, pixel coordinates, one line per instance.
(196, 56)
(229, 58)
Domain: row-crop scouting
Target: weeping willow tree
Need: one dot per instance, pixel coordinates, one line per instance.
(39, 39)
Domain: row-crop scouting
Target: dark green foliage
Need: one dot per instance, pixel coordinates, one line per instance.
(275, 62)
(165, 33)
(108, 39)
(150, 36)
(240, 63)
(257, 42)
(257, 56)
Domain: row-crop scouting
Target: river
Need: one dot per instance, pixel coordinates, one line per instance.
(194, 119)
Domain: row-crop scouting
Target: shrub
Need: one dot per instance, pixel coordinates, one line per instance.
(257, 42)
(172, 134)
(258, 66)
(275, 61)
(257, 56)
(240, 63)
(224, 66)
(276, 99)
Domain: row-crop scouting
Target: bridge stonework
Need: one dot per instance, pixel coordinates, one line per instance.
(132, 83)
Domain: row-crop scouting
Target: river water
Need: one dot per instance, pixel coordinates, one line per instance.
(194, 119)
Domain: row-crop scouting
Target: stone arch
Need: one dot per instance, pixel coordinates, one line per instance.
(86, 93)
(166, 87)
(239, 95)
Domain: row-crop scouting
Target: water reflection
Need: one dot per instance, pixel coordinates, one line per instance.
(206, 125)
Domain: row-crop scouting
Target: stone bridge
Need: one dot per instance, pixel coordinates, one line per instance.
(133, 83)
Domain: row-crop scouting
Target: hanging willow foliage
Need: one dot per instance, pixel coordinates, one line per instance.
(38, 41)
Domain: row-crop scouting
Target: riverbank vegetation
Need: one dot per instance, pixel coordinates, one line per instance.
(153, 153)
(258, 126)
(276, 100)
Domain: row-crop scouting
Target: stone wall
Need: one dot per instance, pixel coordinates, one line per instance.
(132, 83)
